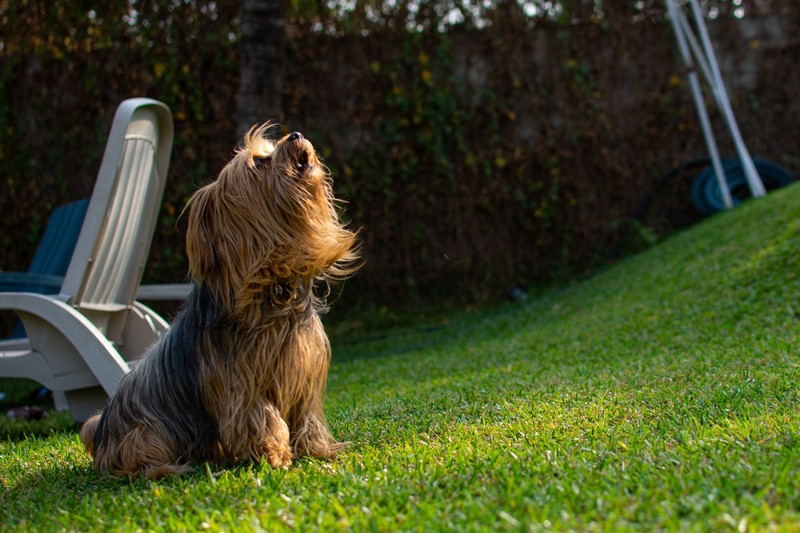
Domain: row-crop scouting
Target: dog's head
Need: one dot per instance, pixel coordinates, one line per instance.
(268, 220)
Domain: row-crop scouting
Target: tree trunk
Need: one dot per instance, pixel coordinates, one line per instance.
(261, 48)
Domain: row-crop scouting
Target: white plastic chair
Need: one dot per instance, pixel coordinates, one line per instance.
(83, 340)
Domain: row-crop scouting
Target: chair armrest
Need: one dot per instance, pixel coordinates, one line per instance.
(74, 353)
(167, 291)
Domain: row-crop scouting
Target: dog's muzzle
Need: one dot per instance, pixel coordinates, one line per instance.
(303, 163)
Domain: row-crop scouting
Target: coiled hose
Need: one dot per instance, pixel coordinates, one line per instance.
(707, 197)
(705, 191)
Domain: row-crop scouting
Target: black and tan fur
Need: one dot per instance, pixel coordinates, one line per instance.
(241, 374)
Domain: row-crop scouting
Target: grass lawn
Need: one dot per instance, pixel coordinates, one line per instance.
(660, 394)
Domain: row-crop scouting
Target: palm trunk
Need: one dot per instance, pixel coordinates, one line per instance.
(261, 48)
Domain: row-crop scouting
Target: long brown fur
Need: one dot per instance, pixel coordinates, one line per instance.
(241, 375)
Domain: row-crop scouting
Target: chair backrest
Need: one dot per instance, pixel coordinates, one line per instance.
(58, 241)
(110, 255)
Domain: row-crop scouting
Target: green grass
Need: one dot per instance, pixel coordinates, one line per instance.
(660, 394)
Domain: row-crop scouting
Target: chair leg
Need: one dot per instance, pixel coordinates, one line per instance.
(60, 401)
(83, 403)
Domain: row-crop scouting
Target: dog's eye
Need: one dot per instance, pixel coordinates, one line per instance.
(259, 161)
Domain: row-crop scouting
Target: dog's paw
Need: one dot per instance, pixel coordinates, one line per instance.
(279, 456)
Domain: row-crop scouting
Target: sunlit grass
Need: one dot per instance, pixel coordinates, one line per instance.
(660, 394)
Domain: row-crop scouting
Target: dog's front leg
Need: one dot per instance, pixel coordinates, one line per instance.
(311, 437)
(253, 433)
(272, 441)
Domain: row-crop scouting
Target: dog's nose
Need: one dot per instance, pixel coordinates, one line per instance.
(295, 136)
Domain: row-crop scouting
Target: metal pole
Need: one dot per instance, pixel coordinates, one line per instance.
(721, 95)
(699, 104)
(697, 51)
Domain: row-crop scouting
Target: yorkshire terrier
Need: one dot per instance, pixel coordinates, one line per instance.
(242, 372)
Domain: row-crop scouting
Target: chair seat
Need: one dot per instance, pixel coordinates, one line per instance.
(30, 282)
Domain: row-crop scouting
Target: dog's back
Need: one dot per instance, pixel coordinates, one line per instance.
(157, 412)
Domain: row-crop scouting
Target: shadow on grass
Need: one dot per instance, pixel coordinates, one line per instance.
(64, 495)
(69, 494)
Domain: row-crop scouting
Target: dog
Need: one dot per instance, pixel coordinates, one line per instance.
(242, 372)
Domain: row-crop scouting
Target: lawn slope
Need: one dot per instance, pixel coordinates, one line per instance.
(661, 393)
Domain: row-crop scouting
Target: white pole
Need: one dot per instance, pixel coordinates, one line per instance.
(721, 95)
(699, 104)
(697, 51)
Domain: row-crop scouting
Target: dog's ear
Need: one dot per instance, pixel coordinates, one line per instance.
(200, 234)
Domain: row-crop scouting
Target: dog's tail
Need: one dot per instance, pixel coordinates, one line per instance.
(87, 433)
(147, 468)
